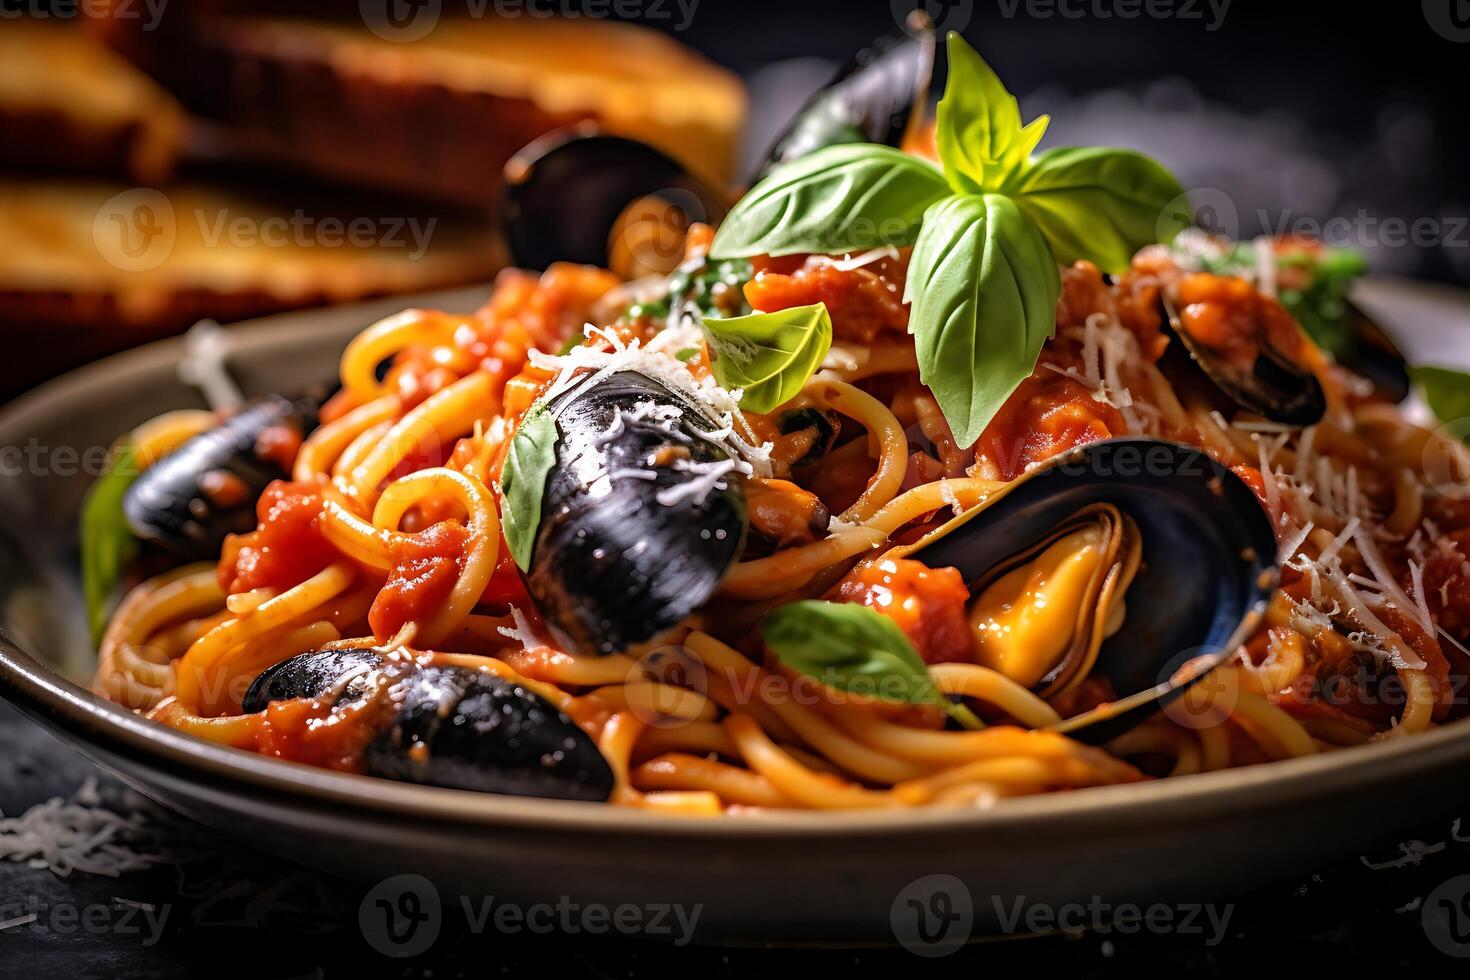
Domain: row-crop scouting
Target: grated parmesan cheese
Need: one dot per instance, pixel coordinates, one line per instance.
(82, 835)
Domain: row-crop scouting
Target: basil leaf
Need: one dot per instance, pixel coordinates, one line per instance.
(983, 289)
(1100, 204)
(769, 355)
(839, 199)
(978, 130)
(108, 545)
(854, 649)
(1448, 393)
(531, 455)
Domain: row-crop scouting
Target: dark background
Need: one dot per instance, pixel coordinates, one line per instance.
(1307, 109)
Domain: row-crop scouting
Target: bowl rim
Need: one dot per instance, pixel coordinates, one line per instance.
(82, 715)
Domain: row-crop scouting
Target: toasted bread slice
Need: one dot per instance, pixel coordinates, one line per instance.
(438, 116)
(93, 268)
(70, 105)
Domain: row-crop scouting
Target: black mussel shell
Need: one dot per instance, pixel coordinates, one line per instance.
(1208, 563)
(827, 426)
(312, 675)
(565, 193)
(486, 734)
(450, 726)
(874, 98)
(171, 503)
(1275, 387)
(612, 566)
(1373, 355)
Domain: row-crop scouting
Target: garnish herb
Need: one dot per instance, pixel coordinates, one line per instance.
(851, 648)
(1448, 393)
(988, 228)
(769, 355)
(108, 546)
(523, 481)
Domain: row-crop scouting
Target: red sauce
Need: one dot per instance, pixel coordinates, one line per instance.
(425, 568)
(308, 731)
(862, 302)
(1048, 414)
(1229, 316)
(1447, 585)
(505, 586)
(928, 604)
(286, 548)
(279, 444)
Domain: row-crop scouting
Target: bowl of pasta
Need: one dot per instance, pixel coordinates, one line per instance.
(914, 515)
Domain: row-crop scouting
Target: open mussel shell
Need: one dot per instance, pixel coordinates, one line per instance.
(877, 97)
(1274, 386)
(449, 726)
(636, 530)
(578, 195)
(205, 489)
(1204, 568)
(1374, 355)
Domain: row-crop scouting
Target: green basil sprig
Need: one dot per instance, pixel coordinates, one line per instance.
(531, 455)
(769, 355)
(993, 213)
(108, 546)
(980, 261)
(854, 649)
(846, 198)
(1448, 393)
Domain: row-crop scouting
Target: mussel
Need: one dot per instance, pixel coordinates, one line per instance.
(579, 195)
(205, 489)
(448, 726)
(1155, 554)
(1372, 354)
(877, 97)
(1274, 385)
(641, 517)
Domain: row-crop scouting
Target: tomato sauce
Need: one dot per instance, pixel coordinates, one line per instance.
(425, 568)
(1048, 414)
(308, 731)
(863, 302)
(286, 548)
(1230, 317)
(1447, 584)
(928, 604)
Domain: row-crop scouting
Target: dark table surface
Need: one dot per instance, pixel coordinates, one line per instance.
(1402, 905)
